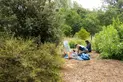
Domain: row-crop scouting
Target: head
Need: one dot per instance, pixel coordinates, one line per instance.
(74, 50)
(87, 42)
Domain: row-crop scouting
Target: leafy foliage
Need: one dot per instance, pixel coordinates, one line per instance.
(21, 61)
(91, 23)
(108, 43)
(74, 41)
(82, 34)
(66, 4)
(73, 20)
(114, 9)
(67, 30)
(29, 18)
(119, 27)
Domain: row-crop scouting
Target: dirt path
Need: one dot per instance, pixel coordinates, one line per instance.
(94, 70)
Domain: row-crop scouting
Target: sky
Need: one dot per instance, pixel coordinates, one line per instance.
(90, 4)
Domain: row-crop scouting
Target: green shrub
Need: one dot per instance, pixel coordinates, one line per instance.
(74, 41)
(82, 34)
(120, 31)
(119, 27)
(67, 29)
(107, 42)
(21, 61)
(72, 44)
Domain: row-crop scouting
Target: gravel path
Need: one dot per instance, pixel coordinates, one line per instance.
(94, 70)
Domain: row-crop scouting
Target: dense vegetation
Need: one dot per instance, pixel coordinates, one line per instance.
(108, 43)
(27, 18)
(26, 28)
(20, 60)
(32, 30)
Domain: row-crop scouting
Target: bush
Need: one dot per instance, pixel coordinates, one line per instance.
(82, 34)
(72, 44)
(67, 30)
(74, 41)
(119, 27)
(107, 42)
(21, 61)
(120, 31)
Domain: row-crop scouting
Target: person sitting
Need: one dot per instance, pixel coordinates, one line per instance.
(82, 52)
(88, 45)
(81, 49)
(79, 54)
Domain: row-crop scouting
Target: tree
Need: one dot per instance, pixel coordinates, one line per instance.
(88, 19)
(28, 18)
(74, 20)
(67, 30)
(114, 10)
(106, 18)
(115, 3)
(66, 4)
(91, 23)
(80, 10)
